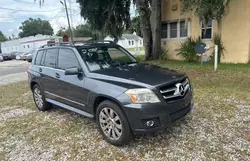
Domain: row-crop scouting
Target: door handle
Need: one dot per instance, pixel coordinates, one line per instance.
(58, 75)
(40, 70)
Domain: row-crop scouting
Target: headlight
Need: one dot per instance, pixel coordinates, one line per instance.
(142, 95)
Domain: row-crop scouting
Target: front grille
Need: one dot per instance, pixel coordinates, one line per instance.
(175, 91)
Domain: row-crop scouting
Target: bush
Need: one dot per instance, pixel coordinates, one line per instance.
(187, 49)
(221, 49)
(163, 54)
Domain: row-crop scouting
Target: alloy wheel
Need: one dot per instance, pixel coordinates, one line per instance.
(110, 123)
(38, 98)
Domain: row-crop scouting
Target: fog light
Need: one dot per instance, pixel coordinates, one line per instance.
(150, 123)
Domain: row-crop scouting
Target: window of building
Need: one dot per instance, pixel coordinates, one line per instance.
(183, 29)
(140, 42)
(39, 57)
(173, 30)
(132, 42)
(23, 46)
(129, 43)
(164, 31)
(51, 58)
(206, 32)
(67, 59)
(28, 46)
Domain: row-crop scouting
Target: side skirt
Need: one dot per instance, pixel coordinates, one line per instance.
(69, 108)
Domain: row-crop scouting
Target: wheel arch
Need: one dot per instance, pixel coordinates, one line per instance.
(99, 99)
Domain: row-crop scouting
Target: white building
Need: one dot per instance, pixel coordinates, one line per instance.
(131, 42)
(27, 44)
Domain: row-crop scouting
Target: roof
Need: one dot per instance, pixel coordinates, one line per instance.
(130, 36)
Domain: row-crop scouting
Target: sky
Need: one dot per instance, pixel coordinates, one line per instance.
(14, 12)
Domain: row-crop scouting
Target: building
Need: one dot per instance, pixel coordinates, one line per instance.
(27, 44)
(235, 29)
(131, 42)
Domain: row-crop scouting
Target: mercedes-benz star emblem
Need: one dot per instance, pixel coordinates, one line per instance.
(179, 89)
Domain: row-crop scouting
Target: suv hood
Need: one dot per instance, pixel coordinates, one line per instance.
(138, 74)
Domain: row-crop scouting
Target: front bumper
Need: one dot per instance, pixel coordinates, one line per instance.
(162, 114)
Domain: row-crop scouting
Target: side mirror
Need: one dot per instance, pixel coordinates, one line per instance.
(72, 71)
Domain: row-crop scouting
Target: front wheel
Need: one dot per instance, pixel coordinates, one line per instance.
(112, 124)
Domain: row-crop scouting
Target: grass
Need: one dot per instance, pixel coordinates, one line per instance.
(133, 49)
(217, 129)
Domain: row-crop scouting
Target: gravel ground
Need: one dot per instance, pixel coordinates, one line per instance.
(218, 128)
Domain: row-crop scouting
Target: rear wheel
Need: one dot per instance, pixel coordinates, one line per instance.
(39, 99)
(113, 124)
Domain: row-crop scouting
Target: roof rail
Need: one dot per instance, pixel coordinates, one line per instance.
(99, 41)
(57, 44)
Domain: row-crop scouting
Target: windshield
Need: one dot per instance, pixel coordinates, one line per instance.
(103, 57)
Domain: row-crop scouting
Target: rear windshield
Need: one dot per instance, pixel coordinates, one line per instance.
(103, 57)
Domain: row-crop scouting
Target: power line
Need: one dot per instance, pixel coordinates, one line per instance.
(11, 9)
(25, 2)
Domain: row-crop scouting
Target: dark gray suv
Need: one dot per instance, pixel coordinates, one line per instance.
(102, 80)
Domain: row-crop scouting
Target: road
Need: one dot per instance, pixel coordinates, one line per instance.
(13, 71)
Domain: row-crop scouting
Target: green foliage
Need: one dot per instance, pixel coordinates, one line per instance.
(106, 16)
(135, 26)
(139, 57)
(32, 27)
(187, 49)
(221, 48)
(83, 31)
(79, 31)
(2, 37)
(205, 9)
(163, 56)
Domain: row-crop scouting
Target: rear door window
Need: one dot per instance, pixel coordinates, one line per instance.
(39, 57)
(67, 59)
(51, 58)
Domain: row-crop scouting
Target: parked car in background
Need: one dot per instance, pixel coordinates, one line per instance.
(23, 56)
(18, 57)
(1, 58)
(14, 54)
(30, 55)
(6, 56)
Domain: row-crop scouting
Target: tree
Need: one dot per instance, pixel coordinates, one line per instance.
(135, 26)
(156, 27)
(83, 31)
(32, 27)
(106, 16)
(63, 31)
(79, 31)
(205, 9)
(2, 37)
(143, 7)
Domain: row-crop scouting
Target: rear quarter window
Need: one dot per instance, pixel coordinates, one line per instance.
(39, 57)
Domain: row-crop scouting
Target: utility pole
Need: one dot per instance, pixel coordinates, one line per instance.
(70, 30)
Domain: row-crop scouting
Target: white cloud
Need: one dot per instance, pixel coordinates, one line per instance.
(11, 20)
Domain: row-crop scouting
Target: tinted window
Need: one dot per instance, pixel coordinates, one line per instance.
(51, 58)
(39, 57)
(67, 59)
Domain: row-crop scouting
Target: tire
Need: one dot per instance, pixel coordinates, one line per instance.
(113, 126)
(39, 99)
